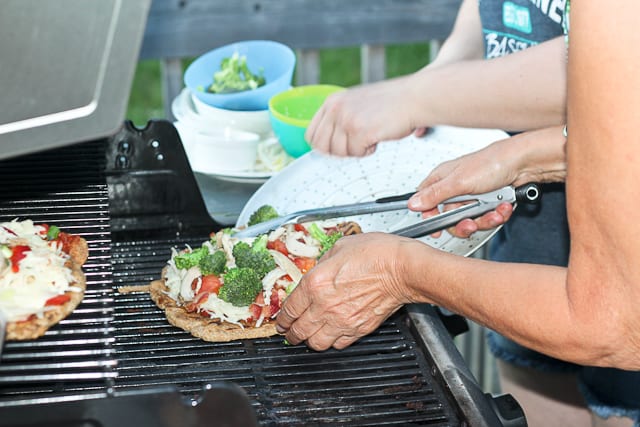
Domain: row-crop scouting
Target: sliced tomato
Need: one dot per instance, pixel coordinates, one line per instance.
(275, 303)
(304, 264)
(300, 227)
(278, 245)
(67, 241)
(211, 283)
(17, 254)
(199, 299)
(58, 300)
(46, 229)
(259, 299)
(256, 311)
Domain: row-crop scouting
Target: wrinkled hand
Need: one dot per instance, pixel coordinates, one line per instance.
(479, 172)
(353, 121)
(348, 294)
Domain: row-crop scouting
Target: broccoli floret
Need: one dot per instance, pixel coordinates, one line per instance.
(241, 287)
(187, 260)
(214, 263)
(262, 214)
(255, 257)
(326, 240)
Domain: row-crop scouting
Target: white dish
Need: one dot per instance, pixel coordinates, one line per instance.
(214, 151)
(265, 162)
(187, 108)
(397, 167)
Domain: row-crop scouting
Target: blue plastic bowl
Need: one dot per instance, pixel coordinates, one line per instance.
(275, 59)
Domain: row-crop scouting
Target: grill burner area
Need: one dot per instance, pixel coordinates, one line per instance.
(116, 356)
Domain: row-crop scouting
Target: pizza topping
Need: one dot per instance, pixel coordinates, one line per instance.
(299, 244)
(244, 281)
(18, 254)
(240, 286)
(34, 274)
(287, 265)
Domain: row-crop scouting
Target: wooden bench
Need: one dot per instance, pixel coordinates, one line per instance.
(185, 28)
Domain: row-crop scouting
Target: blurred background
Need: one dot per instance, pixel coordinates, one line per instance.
(339, 66)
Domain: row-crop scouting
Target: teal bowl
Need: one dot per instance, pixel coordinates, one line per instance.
(291, 111)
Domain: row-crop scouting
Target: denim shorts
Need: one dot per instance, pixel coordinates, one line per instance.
(540, 234)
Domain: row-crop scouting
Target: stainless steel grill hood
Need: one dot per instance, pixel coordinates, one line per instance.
(66, 70)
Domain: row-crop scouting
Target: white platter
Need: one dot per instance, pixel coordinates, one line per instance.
(397, 167)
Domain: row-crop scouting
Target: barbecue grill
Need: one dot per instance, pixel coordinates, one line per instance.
(116, 361)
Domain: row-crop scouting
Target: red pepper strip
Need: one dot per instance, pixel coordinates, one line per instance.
(10, 231)
(17, 254)
(58, 300)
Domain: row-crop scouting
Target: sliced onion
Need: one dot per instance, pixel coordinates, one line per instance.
(185, 284)
(298, 248)
(287, 265)
(269, 280)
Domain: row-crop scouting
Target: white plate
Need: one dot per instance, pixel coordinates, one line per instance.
(397, 167)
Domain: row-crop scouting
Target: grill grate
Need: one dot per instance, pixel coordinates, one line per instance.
(120, 345)
(77, 354)
(381, 380)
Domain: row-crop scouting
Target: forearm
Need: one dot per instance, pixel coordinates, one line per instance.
(535, 156)
(522, 91)
(525, 302)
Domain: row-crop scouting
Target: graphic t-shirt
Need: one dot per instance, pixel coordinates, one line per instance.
(511, 26)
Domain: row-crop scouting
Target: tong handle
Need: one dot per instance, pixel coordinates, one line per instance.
(480, 204)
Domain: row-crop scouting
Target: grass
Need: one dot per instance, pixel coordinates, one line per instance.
(337, 66)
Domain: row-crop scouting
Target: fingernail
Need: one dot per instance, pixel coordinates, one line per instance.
(280, 329)
(413, 202)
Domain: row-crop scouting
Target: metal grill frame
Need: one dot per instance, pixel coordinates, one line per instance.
(119, 354)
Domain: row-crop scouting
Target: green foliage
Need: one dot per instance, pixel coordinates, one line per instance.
(241, 287)
(337, 66)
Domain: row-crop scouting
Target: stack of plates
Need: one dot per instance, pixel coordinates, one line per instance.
(195, 119)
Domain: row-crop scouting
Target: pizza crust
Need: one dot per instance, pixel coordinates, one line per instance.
(35, 328)
(202, 327)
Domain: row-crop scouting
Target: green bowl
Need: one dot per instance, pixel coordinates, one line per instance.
(291, 111)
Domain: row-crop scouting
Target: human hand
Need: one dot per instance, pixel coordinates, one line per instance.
(352, 122)
(349, 293)
(479, 172)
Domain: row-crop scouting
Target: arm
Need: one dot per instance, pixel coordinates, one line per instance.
(536, 156)
(603, 175)
(521, 91)
(586, 313)
(465, 41)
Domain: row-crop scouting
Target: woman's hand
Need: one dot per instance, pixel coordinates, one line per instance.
(536, 156)
(349, 293)
(352, 122)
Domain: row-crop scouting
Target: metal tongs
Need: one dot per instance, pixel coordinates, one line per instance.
(479, 204)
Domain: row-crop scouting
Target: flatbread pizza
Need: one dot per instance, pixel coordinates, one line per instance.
(231, 288)
(41, 278)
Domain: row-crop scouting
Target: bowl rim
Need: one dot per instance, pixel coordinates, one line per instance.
(289, 92)
(290, 54)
